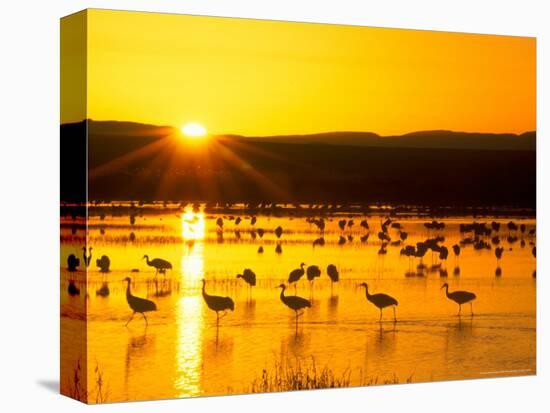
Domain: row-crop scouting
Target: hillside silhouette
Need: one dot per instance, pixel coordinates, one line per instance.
(132, 161)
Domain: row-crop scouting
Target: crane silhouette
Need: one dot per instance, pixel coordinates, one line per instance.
(72, 263)
(333, 274)
(295, 303)
(380, 300)
(104, 263)
(138, 304)
(460, 297)
(296, 274)
(312, 272)
(217, 303)
(159, 264)
(87, 258)
(248, 276)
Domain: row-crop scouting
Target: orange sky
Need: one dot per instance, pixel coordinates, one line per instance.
(256, 77)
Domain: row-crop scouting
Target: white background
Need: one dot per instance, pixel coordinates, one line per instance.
(29, 162)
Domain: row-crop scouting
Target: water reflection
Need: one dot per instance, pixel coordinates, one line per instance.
(140, 347)
(190, 309)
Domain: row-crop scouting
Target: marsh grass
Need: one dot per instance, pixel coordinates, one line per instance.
(76, 388)
(286, 374)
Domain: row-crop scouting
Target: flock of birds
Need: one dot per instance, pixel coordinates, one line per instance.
(475, 234)
(221, 305)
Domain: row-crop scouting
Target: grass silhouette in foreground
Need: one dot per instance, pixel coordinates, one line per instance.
(288, 374)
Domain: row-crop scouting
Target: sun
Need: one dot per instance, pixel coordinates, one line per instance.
(193, 130)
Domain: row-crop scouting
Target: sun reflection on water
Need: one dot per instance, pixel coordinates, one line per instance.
(192, 225)
(190, 312)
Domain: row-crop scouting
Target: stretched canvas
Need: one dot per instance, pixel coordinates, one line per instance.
(261, 206)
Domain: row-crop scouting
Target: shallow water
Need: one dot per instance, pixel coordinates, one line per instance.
(182, 353)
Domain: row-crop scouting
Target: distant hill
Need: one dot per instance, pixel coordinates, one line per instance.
(442, 139)
(119, 128)
(133, 161)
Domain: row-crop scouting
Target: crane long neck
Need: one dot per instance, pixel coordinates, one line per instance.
(128, 291)
(447, 291)
(367, 292)
(282, 293)
(147, 260)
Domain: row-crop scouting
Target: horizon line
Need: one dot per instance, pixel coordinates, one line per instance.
(305, 134)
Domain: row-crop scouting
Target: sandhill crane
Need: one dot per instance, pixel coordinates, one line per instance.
(294, 302)
(460, 297)
(312, 272)
(456, 250)
(138, 304)
(238, 221)
(219, 223)
(342, 224)
(87, 258)
(365, 224)
(380, 300)
(217, 303)
(261, 232)
(278, 231)
(341, 240)
(104, 263)
(498, 254)
(158, 263)
(333, 274)
(72, 263)
(253, 220)
(296, 274)
(319, 242)
(249, 277)
(319, 223)
(260, 249)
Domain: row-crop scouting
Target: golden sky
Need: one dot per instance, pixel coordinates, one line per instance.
(256, 77)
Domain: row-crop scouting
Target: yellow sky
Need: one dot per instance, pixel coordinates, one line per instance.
(256, 77)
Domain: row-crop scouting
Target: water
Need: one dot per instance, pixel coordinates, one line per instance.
(182, 353)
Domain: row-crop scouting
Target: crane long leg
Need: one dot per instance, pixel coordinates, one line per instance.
(472, 308)
(459, 309)
(131, 318)
(146, 322)
(394, 317)
(380, 320)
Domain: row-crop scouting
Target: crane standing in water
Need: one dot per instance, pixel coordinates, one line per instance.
(249, 278)
(159, 264)
(137, 304)
(217, 303)
(296, 274)
(460, 297)
(333, 274)
(381, 301)
(294, 303)
(87, 258)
